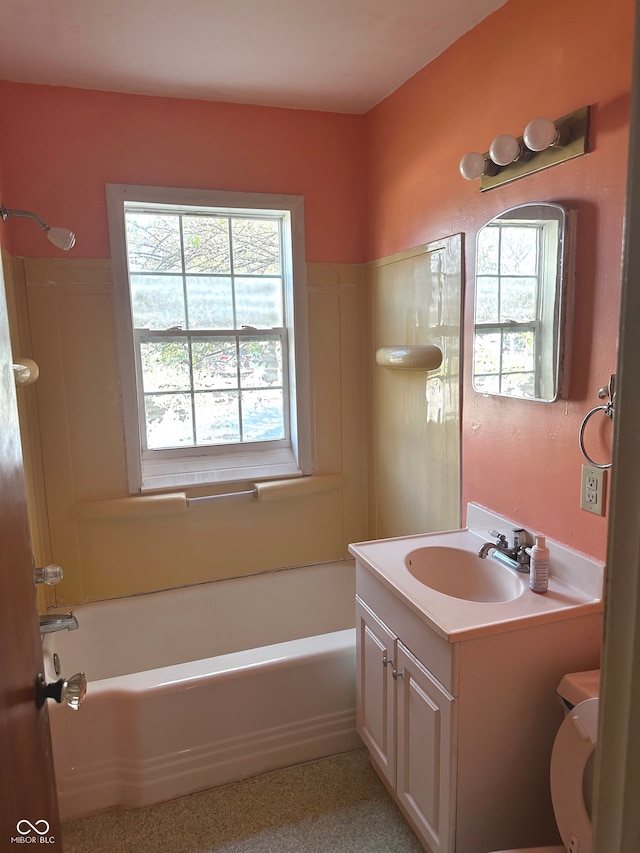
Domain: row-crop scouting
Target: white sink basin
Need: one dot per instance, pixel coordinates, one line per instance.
(459, 596)
(462, 574)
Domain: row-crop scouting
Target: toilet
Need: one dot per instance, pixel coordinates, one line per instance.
(571, 771)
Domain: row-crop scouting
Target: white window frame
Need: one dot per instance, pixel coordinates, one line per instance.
(157, 470)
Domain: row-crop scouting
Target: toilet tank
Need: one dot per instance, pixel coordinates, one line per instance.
(577, 686)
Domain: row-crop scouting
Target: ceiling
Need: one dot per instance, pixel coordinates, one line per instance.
(338, 55)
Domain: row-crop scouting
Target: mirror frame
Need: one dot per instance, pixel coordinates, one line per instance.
(563, 298)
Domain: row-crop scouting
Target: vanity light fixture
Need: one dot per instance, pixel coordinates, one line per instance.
(544, 143)
(60, 237)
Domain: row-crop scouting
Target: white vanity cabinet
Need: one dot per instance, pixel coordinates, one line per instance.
(406, 719)
(461, 731)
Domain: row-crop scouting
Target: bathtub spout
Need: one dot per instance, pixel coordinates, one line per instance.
(58, 622)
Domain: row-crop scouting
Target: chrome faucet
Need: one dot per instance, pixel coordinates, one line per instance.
(516, 557)
(58, 622)
(500, 544)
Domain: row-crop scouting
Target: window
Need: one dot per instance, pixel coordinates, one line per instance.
(210, 298)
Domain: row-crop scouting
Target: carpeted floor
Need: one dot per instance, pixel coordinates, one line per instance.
(334, 805)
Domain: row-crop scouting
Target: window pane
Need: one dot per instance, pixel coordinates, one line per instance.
(260, 363)
(487, 384)
(486, 299)
(214, 363)
(517, 351)
(165, 365)
(519, 251)
(168, 418)
(259, 302)
(518, 385)
(487, 260)
(262, 415)
(486, 352)
(153, 242)
(157, 302)
(217, 418)
(256, 246)
(210, 302)
(206, 244)
(518, 299)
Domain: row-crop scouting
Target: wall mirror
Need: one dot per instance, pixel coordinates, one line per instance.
(524, 273)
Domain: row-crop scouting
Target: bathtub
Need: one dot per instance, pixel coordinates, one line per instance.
(199, 686)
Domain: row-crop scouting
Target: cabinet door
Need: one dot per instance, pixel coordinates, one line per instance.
(425, 782)
(375, 702)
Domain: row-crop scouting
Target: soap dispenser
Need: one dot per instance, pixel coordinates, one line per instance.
(539, 575)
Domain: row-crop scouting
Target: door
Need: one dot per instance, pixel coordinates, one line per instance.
(375, 701)
(617, 824)
(426, 757)
(28, 803)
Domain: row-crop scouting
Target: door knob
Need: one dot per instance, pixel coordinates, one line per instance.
(48, 574)
(72, 690)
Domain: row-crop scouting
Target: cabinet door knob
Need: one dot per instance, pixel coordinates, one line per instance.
(386, 661)
(397, 674)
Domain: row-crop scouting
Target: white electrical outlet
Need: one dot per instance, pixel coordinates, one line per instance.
(592, 490)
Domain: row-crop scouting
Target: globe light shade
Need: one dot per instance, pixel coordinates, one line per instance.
(539, 134)
(505, 149)
(542, 133)
(472, 166)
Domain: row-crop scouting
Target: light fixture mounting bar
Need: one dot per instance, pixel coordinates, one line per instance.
(578, 124)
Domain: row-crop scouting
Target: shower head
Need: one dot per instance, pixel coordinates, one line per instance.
(60, 237)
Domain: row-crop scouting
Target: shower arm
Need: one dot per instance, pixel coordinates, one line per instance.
(26, 214)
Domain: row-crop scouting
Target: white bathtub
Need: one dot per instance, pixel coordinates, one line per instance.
(195, 687)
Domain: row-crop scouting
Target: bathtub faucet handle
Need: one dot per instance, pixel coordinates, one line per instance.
(51, 622)
(71, 691)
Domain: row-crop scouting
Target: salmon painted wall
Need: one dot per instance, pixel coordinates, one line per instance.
(519, 458)
(62, 145)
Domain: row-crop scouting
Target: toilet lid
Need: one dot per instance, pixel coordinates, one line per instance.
(573, 746)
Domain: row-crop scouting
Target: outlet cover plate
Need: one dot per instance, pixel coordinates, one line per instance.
(592, 496)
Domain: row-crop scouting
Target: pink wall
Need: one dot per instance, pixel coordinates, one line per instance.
(519, 458)
(62, 145)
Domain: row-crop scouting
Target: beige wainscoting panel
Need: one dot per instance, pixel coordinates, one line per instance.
(29, 431)
(338, 312)
(71, 327)
(326, 403)
(68, 306)
(415, 297)
(226, 539)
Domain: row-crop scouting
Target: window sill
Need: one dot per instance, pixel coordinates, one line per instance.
(158, 475)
